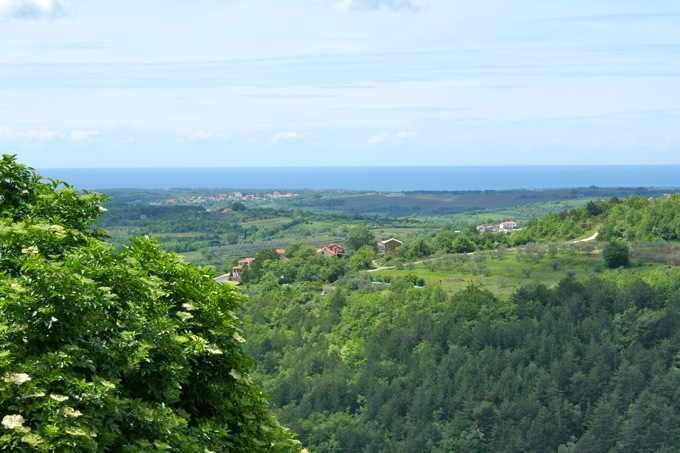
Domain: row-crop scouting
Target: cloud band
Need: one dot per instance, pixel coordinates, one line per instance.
(35, 9)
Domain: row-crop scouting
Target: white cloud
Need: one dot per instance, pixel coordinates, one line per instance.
(285, 136)
(377, 139)
(202, 135)
(32, 138)
(83, 135)
(404, 135)
(40, 135)
(35, 9)
(395, 5)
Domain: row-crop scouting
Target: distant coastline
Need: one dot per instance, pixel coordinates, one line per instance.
(372, 178)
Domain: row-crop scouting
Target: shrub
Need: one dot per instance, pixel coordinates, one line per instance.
(105, 351)
(616, 254)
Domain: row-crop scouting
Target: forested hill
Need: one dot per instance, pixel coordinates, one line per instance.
(633, 219)
(543, 349)
(586, 366)
(640, 219)
(589, 364)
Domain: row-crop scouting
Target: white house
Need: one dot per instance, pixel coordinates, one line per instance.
(507, 226)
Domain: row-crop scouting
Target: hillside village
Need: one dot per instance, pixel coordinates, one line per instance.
(386, 246)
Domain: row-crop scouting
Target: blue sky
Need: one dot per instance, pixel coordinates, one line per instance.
(176, 83)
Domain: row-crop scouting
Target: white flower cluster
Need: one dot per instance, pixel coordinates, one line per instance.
(71, 412)
(16, 378)
(13, 421)
(239, 338)
(59, 398)
(211, 348)
(32, 250)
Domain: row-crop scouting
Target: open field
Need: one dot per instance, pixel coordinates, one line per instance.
(191, 257)
(400, 233)
(178, 235)
(278, 221)
(503, 273)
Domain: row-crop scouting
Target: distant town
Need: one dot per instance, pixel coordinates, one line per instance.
(237, 196)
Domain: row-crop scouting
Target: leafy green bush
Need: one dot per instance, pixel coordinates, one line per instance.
(129, 351)
(463, 245)
(616, 254)
(359, 236)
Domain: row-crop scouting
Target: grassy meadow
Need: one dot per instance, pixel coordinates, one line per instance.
(502, 272)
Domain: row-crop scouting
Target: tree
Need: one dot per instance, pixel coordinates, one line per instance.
(593, 209)
(128, 351)
(616, 254)
(462, 244)
(358, 237)
(263, 257)
(363, 257)
(238, 206)
(417, 248)
(443, 242)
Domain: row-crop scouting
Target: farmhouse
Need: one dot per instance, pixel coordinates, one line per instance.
(389, 245)
(486, 228)
(332, 250)
(242, 264)
(507, 226)
(246, 262)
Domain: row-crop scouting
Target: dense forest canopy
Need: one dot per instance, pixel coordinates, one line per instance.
(584, 366)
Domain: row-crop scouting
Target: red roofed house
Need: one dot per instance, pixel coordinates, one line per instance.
(486, 228)
(332, 250)
(246, 262)
(507, 226)
(242, 264)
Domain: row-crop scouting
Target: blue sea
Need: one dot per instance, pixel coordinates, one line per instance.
(371, 178)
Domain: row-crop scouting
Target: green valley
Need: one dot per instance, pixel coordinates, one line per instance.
(459, 339)
(429, 322)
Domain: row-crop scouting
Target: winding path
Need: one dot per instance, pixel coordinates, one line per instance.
(591, 238)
